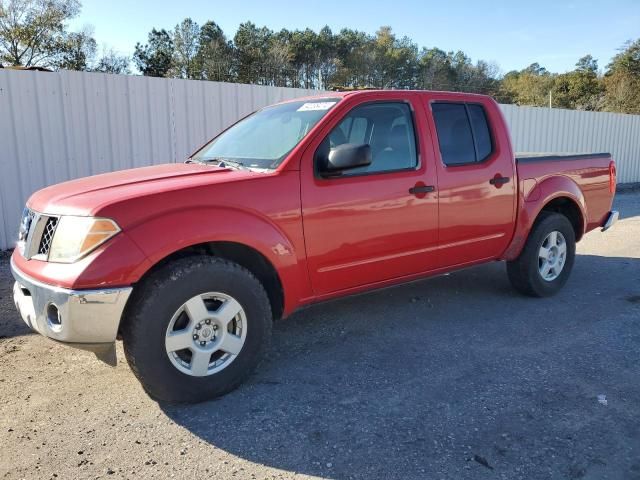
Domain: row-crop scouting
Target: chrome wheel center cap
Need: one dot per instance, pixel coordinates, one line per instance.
(206, 333)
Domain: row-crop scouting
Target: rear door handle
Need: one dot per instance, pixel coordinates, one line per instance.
(498, 181)
(422, 189)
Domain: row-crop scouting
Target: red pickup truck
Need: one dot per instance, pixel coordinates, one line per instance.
(303, 201)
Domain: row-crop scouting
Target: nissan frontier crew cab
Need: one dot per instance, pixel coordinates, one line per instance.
(303, 201)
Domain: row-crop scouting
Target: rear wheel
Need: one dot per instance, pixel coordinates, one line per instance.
(196, 329)
(546, 261)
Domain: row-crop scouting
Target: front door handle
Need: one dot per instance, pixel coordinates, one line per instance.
(418, 189)
(498, 180)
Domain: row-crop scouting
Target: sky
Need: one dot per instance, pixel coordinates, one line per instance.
(513, 33)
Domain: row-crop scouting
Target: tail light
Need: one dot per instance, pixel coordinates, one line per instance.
(612, 177)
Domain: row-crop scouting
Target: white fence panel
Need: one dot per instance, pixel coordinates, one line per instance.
(64, 125)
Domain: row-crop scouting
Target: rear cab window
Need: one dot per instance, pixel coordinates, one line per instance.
(463, 133)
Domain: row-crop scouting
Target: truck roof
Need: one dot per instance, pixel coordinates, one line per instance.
(368, 92)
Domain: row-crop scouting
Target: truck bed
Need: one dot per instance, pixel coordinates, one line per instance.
(589, 171)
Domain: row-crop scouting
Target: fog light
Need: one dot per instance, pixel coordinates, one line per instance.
(53, 317)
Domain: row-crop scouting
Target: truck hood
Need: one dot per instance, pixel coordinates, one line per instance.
(86, 196)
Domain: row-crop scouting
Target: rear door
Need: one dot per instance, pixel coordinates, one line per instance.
(374, 223)
(476, 179)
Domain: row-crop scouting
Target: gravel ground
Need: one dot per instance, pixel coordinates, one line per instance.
(456, 377)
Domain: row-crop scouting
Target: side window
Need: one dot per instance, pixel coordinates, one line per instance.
(387, 128)
(463, 133)
(358, 132)
(480, 131)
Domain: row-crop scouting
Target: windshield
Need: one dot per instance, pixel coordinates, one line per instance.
(263, 139)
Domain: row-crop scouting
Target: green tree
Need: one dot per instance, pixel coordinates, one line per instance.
(461, 68)
(215, 54)
(306, 57)
(354, 54)
(580, 89)
(587, 64)
(186, 43)
(75, 51)
(483, 78)
(155, 58)
(395, 61)
(439, 70)
(313, 57)
(251, 49)
(536, 69)
(277, 60)
(435, 70)
(530, 86)
(32, 31)
(622, 80)
(112, 62)
(325, 55)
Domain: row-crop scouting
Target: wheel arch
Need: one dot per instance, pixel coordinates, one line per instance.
(569, 208)
(558, 194)
(274, 256)
(244, 255)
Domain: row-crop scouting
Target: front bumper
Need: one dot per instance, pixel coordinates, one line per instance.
(85, 318)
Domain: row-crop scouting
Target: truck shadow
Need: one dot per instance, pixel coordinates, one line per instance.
(450, 376)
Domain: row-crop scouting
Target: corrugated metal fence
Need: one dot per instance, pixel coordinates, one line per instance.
(63, 125)
(536, 129)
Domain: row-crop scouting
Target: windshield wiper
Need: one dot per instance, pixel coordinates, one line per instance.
(223, 162)
(192, 160)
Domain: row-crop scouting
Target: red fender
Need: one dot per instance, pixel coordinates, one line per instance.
(530, 206)
(161, 236)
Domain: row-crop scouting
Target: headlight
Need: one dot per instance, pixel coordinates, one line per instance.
(75, 237)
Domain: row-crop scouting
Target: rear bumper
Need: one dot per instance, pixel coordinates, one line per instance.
(85, 318)
(612, 218)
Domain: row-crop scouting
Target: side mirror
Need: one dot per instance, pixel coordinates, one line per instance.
(346, 157)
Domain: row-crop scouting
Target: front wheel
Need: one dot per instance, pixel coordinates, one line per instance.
(196, 329)
(545, 263)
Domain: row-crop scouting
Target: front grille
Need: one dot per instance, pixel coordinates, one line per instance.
(47, 235)
(36, 234)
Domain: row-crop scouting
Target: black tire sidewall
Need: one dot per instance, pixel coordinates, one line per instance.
(551, 222)
(172, 286)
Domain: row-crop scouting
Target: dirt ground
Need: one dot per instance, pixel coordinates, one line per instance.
(456, 377)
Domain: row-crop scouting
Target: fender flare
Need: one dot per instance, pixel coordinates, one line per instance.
(530, 206)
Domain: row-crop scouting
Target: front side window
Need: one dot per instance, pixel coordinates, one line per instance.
(387, 127)
(463, 133)
(263, 139)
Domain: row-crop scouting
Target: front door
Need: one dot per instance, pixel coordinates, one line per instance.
(378, 222)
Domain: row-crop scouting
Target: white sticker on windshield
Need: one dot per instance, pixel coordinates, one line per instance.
(307, 107)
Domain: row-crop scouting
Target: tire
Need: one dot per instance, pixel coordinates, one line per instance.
(525, 272)
(169, 296)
